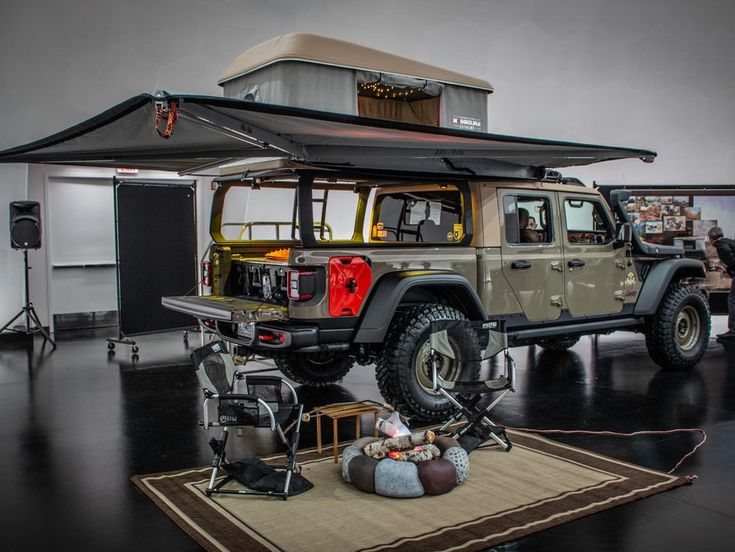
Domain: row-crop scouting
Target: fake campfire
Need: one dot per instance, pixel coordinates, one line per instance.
(405, 466)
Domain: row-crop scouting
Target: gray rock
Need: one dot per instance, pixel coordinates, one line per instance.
(397, 479)
(348, 454)
(458, 456)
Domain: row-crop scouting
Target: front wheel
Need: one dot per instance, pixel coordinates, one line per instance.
(314, 369)
(677, 335)
(403, 371)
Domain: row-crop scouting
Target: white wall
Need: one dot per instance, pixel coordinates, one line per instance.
(656, 74)
(62, 292)
(12, 188)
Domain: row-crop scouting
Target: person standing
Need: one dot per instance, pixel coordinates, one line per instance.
(726, 251)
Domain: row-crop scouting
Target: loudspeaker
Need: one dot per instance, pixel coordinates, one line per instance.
(25, 225)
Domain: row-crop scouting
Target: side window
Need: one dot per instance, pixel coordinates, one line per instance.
(586, 222)
(527, 219)
(421, 216)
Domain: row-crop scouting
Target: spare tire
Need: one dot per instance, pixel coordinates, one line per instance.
(314, 369)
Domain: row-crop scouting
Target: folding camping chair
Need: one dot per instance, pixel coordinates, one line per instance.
(448, 343)
(269, 402)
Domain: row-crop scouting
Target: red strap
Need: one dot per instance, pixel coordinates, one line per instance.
(172, 111)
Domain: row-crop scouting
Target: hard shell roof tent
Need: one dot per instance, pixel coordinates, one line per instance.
(326, 74)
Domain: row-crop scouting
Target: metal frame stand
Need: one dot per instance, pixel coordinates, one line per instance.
(29, 311)
(121, 338)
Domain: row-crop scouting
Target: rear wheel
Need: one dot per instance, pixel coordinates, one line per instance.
(403, 371)
(678, 334)
(315, 370)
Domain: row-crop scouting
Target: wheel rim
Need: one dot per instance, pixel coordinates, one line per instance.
(688, 328)
(448, 369)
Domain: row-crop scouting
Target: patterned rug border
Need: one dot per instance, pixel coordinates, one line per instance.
(213, 534)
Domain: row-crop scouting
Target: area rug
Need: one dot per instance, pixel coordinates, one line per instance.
(537, 485)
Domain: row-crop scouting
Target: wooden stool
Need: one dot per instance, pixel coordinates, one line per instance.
(336, 413)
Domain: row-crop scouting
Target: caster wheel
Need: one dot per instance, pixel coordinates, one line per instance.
(135, 349)
(110, 345)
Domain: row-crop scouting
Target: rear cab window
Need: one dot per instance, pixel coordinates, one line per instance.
(365, 211)
(418, 216)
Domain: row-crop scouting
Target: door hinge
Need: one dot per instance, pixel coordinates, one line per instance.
(556, 265)
(620, 295)
(620, 263)
(556, 300)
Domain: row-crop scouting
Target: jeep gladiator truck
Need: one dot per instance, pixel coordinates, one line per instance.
(367, 230)
(418, 250)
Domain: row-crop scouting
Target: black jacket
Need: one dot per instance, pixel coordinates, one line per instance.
(726, 251)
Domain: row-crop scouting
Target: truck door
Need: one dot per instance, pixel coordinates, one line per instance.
(594, 270)
(531, 252)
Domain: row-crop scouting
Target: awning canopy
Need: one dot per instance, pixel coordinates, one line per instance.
(187, 134)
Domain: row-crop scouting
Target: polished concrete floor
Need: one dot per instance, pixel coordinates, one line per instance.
(75, 425)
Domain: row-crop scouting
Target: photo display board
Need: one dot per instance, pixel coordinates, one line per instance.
(682, 216)
(156, 252)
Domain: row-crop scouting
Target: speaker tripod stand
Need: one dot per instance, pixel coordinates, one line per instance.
(30, 313)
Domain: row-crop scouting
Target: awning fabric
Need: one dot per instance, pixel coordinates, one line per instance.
(209, 131)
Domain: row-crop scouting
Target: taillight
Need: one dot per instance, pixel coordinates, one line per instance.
(207, 273)
(209, 323)
(301, 284)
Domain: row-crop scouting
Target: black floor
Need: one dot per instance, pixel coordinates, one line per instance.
(75, 425)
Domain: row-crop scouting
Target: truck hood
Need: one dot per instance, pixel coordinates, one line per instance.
(190, 133)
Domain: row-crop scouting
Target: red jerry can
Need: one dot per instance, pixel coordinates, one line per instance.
(349, 280)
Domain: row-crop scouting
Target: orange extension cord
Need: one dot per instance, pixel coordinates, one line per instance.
(621, 434)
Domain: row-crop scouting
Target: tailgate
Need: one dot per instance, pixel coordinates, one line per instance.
(228, 309)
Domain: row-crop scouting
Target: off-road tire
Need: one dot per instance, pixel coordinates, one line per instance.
(561, 344)
(396, 369)
(316, 370)
(681, 305)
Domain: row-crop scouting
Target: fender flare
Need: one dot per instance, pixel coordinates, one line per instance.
(659, 278)
(391, 288)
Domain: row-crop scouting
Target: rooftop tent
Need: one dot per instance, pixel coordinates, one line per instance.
(315, 72)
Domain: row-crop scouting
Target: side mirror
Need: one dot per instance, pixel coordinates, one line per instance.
(624, 234)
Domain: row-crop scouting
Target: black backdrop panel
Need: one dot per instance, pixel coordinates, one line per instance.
(157, 255)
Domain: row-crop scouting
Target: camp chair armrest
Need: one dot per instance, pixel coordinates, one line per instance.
(236, 397)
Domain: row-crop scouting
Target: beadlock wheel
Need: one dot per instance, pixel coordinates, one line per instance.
(688, 328)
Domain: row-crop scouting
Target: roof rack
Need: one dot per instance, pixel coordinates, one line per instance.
(571, 181)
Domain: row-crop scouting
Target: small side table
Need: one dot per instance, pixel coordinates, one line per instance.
(336, 413)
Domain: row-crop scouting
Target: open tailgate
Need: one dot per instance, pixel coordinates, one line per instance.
(227, 309)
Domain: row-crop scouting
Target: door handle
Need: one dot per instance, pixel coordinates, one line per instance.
(556, 265)
(576, 263)
(520, 265)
